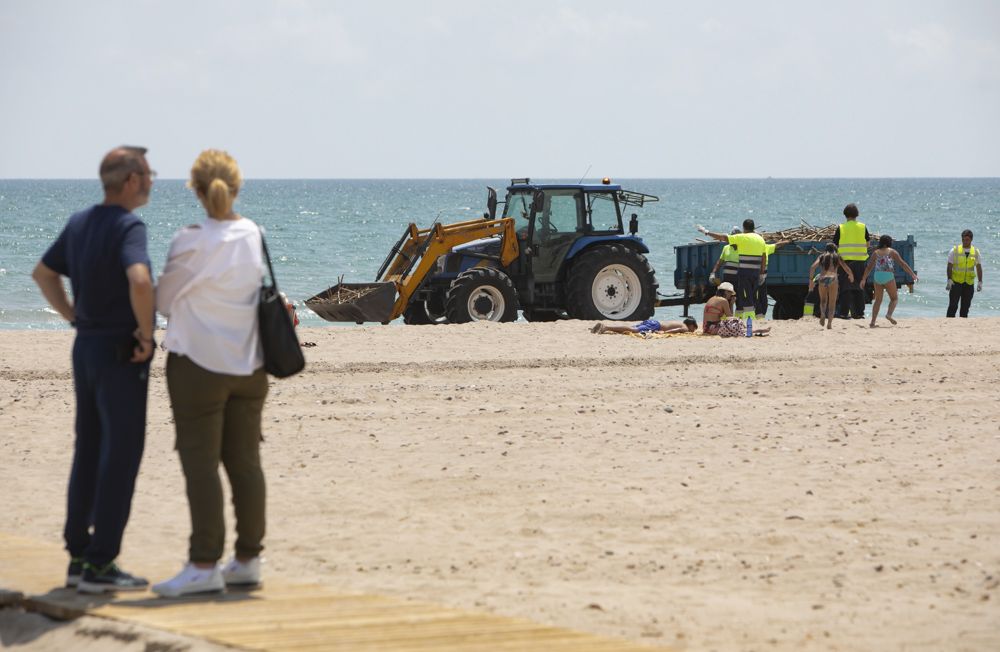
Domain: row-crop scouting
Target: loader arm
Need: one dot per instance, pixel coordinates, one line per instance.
(417, 251)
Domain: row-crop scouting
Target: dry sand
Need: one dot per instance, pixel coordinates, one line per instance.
(808, 490)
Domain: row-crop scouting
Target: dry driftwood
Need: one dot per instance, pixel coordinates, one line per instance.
(805, 232)
(345, 294)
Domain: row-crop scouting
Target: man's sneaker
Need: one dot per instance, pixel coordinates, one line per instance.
(74, 572)
(191, 580)
(108, 579)
(237, 573)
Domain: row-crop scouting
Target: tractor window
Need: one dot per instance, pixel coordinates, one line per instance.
(602, 213)
(518, 206)
(560, 214)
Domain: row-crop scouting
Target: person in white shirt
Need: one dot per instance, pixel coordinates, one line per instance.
(209, 293)
(965, 264)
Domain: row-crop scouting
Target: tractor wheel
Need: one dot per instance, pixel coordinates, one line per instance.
(540, 315)
(611, 282)
(431, 311)
(481, 294)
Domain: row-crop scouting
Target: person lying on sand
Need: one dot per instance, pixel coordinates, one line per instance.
(649, 326)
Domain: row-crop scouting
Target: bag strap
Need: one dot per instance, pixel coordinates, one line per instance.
(267, 257)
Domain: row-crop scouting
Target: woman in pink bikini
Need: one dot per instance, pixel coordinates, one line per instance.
(828, 262)
(718, 309)
(883, 261)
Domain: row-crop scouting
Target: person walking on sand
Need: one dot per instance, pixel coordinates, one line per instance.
(965, 263)
(649, 326)
(852, 240)
(103, 252)
(883, 260)
(215, 377)
(829, 263)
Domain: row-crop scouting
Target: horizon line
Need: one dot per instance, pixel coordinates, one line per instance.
(637, 178)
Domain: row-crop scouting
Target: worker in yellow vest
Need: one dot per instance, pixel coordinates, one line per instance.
(729, 262)
(852, 240)
(965, 264)
(751, 248)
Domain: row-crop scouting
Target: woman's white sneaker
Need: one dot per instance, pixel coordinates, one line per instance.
(191, 580)
(237, 573)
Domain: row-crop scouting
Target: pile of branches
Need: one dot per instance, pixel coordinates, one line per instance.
(345, 295)
(805, 232)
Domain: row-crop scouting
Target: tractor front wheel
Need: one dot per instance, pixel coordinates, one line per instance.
(481, 294)
(611, 282)
(424, 312)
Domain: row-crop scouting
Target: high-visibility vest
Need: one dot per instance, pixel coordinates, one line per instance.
(963, 270)
(751, 249)
(853, 245)
(730, 260)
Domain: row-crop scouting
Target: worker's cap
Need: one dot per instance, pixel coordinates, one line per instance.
(727, 286)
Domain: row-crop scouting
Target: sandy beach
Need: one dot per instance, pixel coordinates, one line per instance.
(807, 490)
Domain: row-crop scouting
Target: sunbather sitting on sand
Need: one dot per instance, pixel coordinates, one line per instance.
(718, 308)
(649, 326)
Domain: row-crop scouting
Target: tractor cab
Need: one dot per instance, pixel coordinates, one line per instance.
(553, 222)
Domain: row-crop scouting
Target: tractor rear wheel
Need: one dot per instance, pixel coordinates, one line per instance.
(481, 294)
(611, 282)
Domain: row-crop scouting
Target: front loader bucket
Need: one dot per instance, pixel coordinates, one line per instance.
(357, 302)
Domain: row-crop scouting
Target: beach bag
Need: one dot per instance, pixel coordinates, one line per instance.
(732, 328)
(282, 352)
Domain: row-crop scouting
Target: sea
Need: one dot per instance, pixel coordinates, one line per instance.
(319, 230)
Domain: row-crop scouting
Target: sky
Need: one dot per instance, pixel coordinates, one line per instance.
(472, 89)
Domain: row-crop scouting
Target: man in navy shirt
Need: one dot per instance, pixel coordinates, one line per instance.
(103, 252)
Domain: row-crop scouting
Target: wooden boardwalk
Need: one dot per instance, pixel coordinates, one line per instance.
(286, 616)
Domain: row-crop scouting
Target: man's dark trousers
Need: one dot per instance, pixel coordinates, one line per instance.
(760, 303)
(851, 298)
(746, 291)
(960, 292)
(110, 434)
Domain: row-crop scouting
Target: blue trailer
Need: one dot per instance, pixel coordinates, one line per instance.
(787, 272)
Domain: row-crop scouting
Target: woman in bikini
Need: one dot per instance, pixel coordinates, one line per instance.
(828, 262)
(883, 260)
(718, 308)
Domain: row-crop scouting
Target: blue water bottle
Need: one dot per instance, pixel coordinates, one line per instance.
(749, 327)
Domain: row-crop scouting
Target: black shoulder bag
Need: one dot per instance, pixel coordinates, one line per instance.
(282, 352)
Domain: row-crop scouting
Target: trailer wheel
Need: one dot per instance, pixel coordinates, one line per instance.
(540, 315)
(788, 304)
(611, 282)
(481, 294)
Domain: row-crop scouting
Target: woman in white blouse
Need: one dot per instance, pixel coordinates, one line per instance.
(209, 293)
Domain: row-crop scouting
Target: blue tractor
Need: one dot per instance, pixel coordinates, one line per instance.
(574, 259)
(556, 251)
